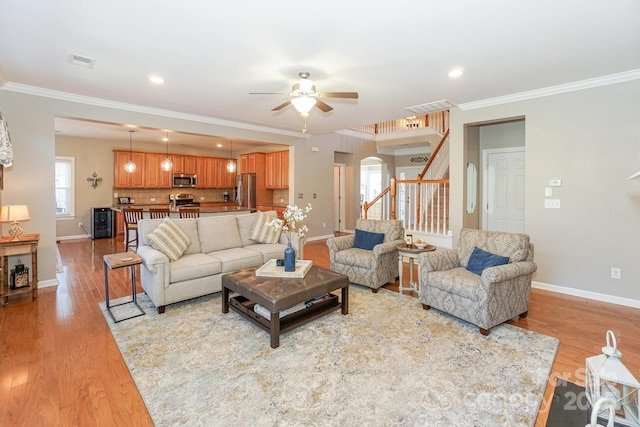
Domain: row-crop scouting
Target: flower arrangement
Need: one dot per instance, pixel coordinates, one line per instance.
(292, 223)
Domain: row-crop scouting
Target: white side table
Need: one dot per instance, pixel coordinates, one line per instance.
(412, 253)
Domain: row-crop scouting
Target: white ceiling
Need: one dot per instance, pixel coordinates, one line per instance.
(395, 54)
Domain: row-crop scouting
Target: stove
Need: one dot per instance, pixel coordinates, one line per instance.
(184, 200)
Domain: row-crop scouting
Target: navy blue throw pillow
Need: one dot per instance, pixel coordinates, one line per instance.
(367, 240)
(479, 260)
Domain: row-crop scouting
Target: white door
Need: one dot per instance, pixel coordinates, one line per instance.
(504, 190)
(338, 197)
(405, 199)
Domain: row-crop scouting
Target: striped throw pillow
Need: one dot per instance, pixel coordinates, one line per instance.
(169, 239)
(263, 233)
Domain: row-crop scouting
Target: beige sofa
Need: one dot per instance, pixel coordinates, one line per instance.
(217, 245)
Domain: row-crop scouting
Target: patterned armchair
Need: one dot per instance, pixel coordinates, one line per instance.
(372, 268)
(499, 294)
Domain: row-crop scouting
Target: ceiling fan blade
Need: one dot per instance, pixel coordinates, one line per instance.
(267, 93)
(322, 106)
(352, 95)
(281, 106)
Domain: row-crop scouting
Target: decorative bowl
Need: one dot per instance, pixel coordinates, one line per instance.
(420, 245)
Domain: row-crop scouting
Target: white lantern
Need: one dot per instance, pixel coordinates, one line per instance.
(608, 377)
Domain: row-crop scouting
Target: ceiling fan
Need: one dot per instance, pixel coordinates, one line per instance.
(304, 96)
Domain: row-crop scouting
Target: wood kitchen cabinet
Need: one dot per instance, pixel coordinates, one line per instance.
(124, 179)
(226, 179)
(207, 171)
(184, 164)
(277, 170)
(250, 163)
(154, 176)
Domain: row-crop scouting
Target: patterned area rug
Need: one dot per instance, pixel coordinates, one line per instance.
(388, 362)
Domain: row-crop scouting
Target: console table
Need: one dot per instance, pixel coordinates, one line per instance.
(27, 244)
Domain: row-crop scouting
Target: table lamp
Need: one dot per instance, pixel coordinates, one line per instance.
(14, 214)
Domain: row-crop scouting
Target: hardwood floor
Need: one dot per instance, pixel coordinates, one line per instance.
(59, 365)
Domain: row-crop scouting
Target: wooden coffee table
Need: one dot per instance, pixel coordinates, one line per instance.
(277, 294)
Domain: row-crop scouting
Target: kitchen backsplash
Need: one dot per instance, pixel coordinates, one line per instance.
(156, 196)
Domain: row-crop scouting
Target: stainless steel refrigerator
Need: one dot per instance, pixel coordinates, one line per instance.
(246, 190)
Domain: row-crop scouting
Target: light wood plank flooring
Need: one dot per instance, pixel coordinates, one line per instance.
(59, 365)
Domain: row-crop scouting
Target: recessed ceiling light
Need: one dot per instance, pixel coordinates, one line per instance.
(456, 72)
(156, 79)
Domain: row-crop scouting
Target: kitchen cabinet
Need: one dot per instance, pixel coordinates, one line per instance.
(207, 171)
(119, 224)
(124, 179)
(184, 164)
(277, 170)
(226, 179)
(250, 163)
(154, 176)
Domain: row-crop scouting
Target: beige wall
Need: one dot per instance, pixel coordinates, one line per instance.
(590, 139)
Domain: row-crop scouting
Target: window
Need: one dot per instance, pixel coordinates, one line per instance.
(65, 181)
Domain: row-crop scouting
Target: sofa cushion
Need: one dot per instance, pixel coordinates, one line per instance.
(367, 239)
(188, 226)
(268, 251)
(193, 266)
(392, 229)
(245, 224)
(512, 245)
(479, 260)
(458, 281)
(218, 232)
(262, 232)
(236, 259)
(169, 239)
(355, 257)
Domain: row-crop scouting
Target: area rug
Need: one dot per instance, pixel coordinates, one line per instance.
(387, 363)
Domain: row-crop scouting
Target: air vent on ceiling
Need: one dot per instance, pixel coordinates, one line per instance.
(431, 107)
(81, 60)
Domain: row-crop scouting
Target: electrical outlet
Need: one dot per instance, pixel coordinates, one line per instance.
(80, 224)
(152, 199)
(552, 203)
(324, 225)
(616, 273)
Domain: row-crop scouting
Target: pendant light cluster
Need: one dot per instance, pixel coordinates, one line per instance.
(130, 166)
(166, 165)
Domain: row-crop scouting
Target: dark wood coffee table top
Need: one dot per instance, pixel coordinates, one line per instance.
(278, 293)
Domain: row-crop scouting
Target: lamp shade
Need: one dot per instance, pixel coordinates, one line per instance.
(14, 213)
(303, 104)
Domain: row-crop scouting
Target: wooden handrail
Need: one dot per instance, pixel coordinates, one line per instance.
(433, 155)
(367, 205)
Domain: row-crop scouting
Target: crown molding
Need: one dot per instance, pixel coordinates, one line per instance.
(99, 102)
(553, 90)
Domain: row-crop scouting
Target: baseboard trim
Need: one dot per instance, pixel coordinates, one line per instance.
(325, 236)
(47, 283)
(76, 237)
(628, 302)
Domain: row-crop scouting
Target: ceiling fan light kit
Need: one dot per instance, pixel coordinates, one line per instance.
(304, 96)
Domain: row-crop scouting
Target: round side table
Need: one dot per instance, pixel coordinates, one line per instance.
(412, 253)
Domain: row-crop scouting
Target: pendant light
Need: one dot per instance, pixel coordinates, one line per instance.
(130, 166)
(166, 165)
(231, 165)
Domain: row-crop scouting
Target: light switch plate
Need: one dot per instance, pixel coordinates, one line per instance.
(548, 192)
(552, 203)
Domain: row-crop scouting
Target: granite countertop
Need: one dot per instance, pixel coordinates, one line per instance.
(213, 209)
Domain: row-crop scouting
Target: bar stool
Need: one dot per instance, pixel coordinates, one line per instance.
(189, 212)
(159, 213)
(131, 218)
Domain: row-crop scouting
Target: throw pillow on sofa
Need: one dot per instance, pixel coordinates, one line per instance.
(169, 239)
(367, 239)
(479, 260)
(264, 233)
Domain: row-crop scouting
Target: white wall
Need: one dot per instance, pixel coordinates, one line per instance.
(589, 139)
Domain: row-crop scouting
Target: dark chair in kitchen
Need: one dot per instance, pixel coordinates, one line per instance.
(189, 212)
(131, 218)
(158, 213)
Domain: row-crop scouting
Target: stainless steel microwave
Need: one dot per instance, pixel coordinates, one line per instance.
(181, 180)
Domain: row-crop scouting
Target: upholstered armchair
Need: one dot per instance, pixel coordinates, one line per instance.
(368, 267)
(497, 294)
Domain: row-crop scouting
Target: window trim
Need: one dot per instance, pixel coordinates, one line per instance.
(72, 190)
